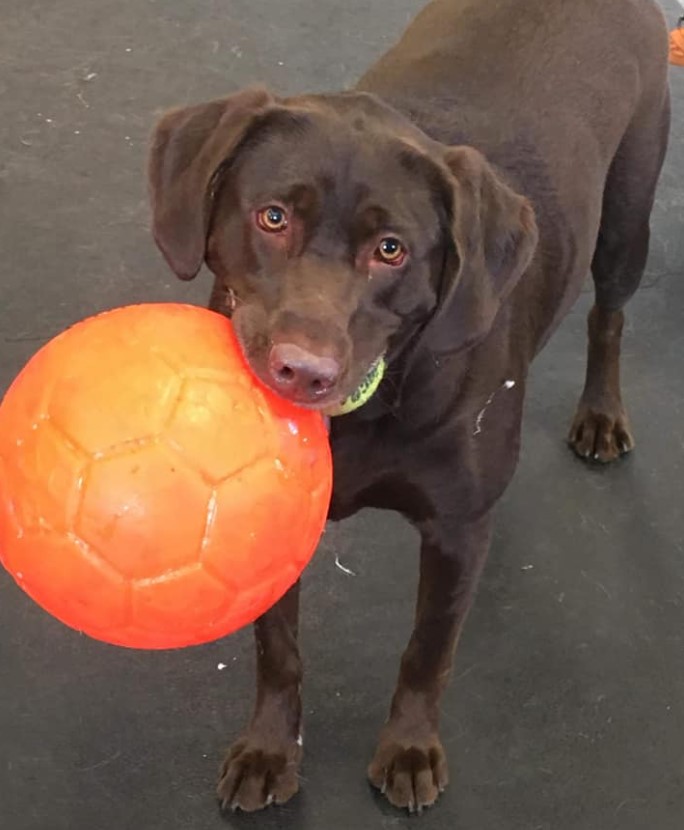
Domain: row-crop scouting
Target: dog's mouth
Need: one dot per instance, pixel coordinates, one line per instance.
(363, 392)
(334, 405)
(330, 403)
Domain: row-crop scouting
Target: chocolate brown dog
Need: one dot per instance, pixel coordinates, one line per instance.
(443, 215)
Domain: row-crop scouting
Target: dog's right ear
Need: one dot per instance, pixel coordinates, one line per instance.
(189, 147)
(494, 235)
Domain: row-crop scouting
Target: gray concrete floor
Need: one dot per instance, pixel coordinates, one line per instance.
(567, 709)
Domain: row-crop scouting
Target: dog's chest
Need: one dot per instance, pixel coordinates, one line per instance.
(371, 463)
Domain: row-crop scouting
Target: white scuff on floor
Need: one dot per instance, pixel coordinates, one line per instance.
(342, 567)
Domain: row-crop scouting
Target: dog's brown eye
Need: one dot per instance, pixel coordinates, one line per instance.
(391, 251)
(272, 219)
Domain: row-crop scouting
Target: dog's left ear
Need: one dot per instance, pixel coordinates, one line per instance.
(494, 235)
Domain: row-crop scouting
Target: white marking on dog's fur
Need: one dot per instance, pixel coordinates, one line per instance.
(509, 384)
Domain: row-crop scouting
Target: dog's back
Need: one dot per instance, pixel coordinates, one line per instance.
(559, 64)
(567, 75)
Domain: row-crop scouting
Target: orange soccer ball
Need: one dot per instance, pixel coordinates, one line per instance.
(153, 494)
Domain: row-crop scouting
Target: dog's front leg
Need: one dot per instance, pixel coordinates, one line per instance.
(410, 766)
(262, 767)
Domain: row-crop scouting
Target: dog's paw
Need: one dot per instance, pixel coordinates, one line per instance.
(600, 434)
(411, 775)
(253, 776)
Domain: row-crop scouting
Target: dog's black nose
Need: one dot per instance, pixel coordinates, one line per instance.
(300, 374)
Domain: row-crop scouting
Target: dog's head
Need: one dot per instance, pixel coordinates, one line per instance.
(338, 229)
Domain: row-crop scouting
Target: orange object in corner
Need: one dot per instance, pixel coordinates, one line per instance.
(677, 47)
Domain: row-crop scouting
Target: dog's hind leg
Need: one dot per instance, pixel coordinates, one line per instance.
(601, 430)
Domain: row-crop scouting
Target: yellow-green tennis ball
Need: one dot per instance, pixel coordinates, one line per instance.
(367, 388)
